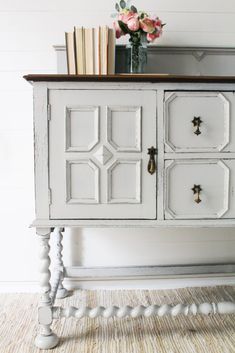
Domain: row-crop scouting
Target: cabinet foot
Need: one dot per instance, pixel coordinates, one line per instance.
(46, 342)
(62, 293)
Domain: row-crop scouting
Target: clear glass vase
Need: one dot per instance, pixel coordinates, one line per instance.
(136, 57)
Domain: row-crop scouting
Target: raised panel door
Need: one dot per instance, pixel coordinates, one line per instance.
(98, 144)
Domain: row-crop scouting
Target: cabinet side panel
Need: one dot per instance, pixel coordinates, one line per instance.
(41, 151)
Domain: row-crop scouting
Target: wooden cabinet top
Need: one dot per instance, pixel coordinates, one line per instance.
(128, 78)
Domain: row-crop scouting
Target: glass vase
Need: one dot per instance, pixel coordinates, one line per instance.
(136, 57)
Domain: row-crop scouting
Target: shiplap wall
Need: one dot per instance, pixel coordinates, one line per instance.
(28, 29)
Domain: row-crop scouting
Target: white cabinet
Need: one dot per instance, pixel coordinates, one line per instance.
(112, 152)
(129, 151)
(98, 154)
(98, 143)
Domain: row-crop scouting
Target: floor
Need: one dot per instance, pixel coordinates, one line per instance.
(200, 334)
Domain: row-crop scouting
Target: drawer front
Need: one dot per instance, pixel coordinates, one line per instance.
(199, 189)
(98, 144)
(199, 121)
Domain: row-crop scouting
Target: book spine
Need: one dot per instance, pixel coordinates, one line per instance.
(75, 50)
(99, 46)
(69, 39)
(111, 51)
(106, 48)
(83, 50)
(67, 50)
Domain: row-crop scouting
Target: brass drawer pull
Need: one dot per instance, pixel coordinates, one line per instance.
(152, 164)
(196, 191)
(196, 123)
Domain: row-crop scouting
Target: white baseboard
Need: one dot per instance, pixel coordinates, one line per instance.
(151, 283)
(128, 283)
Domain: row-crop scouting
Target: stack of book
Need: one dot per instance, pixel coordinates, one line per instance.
(91, 51)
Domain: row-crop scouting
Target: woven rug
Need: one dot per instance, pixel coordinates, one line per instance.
(199, 334)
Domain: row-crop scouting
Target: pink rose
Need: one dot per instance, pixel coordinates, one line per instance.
(158, 22)
(152, 36)
(147, 25)
(125, 16)
(158, 26)
(118, 30)
(133, 24)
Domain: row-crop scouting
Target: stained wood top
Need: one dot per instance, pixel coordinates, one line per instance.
(128, 78)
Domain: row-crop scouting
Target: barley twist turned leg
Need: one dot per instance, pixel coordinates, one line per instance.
(61, 291)
(46, 339)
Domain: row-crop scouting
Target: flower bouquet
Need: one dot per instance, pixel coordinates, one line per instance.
(142, 30)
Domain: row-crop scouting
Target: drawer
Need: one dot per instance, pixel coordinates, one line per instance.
(199, 189)
(199, 121)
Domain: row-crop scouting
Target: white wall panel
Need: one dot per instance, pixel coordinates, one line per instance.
(201, 22)
(43, 41)
(107, 5)
(200, 39)
(16, 161)
(12, 81)
(44, 60)
(17, 116)
(26, 41)
(25, 32)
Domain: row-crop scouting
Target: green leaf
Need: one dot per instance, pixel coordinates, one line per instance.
(124, 27)
(135, 39)
(113, 15)
(133, 9)
(117, 7)
(122, 4)
(128, 3)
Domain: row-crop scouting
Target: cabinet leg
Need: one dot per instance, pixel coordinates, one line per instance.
(61, 291)
(45, 339)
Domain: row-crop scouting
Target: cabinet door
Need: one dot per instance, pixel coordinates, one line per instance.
(196, 189)
(98, 144)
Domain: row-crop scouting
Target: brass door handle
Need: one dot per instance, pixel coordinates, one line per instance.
(152, 164)
(196, 191)
(197, 123)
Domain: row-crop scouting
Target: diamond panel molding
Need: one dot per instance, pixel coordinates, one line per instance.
(103, 155)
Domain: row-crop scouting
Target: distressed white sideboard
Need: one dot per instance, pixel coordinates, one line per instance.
(129, 151)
